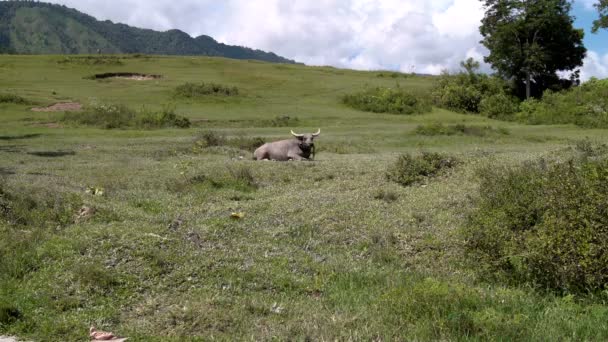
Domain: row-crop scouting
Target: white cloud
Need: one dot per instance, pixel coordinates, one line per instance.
(406, 35)
(588, 4)
(595, 65)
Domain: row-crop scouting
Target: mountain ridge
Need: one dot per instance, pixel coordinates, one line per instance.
(28, 27)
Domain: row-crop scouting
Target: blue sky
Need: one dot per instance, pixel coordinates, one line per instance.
(425, 36)
(585, 15)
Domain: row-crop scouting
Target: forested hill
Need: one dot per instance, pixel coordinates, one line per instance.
(28, 27)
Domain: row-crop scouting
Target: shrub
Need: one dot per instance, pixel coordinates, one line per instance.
(499, 106)
(388, 100)
(465, 91)
(121, 116)
(458, 129)
(193, 90)
(410, 169)
(12, 98)
(165, 118)
(585, 105)
(543, 224)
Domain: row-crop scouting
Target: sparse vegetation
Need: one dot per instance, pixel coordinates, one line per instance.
(434, 129)
(410, 169)
(121, 116)
(195, 90)
(215, 139)
(91, 60)
(388, 100)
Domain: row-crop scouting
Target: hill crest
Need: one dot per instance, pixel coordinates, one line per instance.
(28, 27)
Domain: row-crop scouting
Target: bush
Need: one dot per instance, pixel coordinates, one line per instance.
(121, 116)
(388, 100)
(464, 92)
(499, 106)
(585, 105)
(458, 129)
(193, 90)
(543, 224)
(165, 118)
(408, 169)
(12, 98)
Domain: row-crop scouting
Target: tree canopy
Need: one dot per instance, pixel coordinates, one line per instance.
(530, 40)
(602, 22)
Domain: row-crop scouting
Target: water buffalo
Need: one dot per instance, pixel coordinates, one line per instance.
(300, 148)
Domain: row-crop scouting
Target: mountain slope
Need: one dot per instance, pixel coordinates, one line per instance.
(41, 28)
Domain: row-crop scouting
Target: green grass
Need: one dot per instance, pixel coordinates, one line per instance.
(325, 250)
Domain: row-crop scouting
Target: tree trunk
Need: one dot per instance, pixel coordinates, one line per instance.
(528, 80)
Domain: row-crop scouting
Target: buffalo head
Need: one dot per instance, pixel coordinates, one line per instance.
(306, 140)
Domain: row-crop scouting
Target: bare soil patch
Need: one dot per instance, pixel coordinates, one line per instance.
(60, 107)
(127, 76)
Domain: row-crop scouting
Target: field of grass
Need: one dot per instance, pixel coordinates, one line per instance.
(323, 250)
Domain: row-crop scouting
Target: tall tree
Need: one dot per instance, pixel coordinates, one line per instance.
(602, 22)
(530, 40)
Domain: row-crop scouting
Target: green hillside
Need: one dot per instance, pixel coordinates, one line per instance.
(40, 28)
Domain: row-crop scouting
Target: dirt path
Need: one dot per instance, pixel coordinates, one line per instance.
(60, 107)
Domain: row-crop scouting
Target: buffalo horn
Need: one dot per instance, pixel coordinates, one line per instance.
(316, 134)
(296, 134)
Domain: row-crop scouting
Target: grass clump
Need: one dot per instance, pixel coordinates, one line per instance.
(121, 116)
(543, 224)
(194, 90)
(38, 209)
(410, 169)
(12, 98)
(433, 129)
(388, 100)
(239, 178)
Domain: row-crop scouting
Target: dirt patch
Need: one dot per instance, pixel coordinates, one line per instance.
(126, 76)
(60, 107)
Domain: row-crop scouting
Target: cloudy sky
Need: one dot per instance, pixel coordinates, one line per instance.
(407, 35)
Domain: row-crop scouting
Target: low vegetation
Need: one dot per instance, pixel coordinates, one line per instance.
(434, 129)
(12, 98)
(195, 90)
(388, 100)
(543, 224)
(121, 116)
(410, 169)
(585, 105)
(91, 60)
(207, 139)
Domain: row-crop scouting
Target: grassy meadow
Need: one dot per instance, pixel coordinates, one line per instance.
(322, 250)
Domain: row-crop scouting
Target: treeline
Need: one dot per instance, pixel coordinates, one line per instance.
(108, 37)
